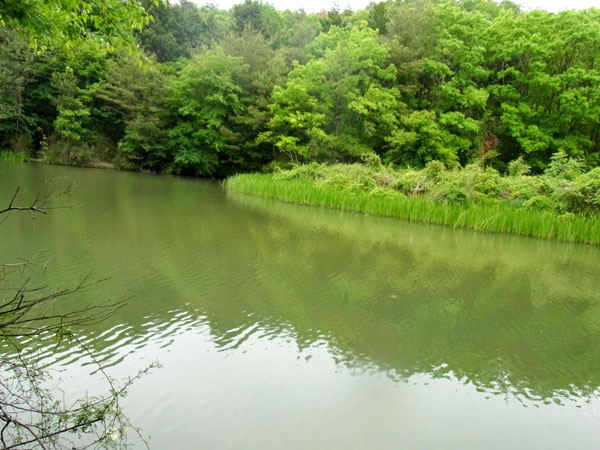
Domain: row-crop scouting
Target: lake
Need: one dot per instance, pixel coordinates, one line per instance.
(281, 326)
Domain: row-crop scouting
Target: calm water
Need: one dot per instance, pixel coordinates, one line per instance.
(280, 326)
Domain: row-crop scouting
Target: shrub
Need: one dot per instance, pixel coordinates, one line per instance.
(518, 167)
(69, 151)
(275, 166)
(566, 194)
(343, 182)
(411, 182)
(589, 187)
(562, 189)
(450, 193)
(381, 192)
(385, 177)
(481, 182)
(310, 171)
(541, 202)
(371, 160)
(518, 189)
(61, 151)
(434, 170)
(21, 144)
(561, 166)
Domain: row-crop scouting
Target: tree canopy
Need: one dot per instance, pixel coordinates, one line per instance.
(211, 92)
(57, 22)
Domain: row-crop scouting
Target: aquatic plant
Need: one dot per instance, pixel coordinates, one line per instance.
(462, 206)
(9, 156)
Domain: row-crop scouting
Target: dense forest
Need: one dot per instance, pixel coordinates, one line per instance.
(206, 92)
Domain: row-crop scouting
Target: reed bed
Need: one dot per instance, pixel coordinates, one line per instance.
(493, 216)
(9, 156)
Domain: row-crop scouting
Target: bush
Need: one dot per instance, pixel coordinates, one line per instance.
(411, 182)
(275, 166)
(371, 160)
(541, 202)
(72, 152)
(342, 182)
(519, 189)
(589, 187)
(385, 177)
(518, 167)
(61, 151)
(561, 166)
(381, 192)
(434, 170)
(480, 182)
(298, 171)
(563, 188)
(21, 145)
(450, 193)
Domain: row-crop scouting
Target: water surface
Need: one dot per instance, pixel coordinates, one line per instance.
(281, 326)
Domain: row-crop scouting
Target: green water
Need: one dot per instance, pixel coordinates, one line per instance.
(280, 326)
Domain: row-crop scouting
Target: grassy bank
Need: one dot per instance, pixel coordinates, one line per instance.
(481, 214)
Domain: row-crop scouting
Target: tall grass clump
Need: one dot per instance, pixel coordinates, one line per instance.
(552, 206)
(9, 156)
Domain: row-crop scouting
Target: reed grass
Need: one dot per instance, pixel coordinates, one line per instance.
(493, 216)
(9, 156)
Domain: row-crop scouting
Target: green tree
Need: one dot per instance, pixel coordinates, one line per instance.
(177, 30)
(301, 29)
(419, 139)
(61, 22)
(258, 16)
(264, 69)
(545, 92)
(18, 69)
(82, 132)
(204, 99)
(133, 92)
(341, 104)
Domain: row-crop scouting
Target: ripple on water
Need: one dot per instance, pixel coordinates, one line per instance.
(322, 329)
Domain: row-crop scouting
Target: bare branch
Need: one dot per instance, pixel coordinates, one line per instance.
(40, 205)
(30, 415)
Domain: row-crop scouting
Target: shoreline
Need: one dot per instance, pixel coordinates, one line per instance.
(497, 217)
(493, 217)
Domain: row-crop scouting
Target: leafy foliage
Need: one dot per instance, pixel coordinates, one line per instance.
(204, 98)
(210, 92)
(339, 105)
(564, 187)
(65, 22)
